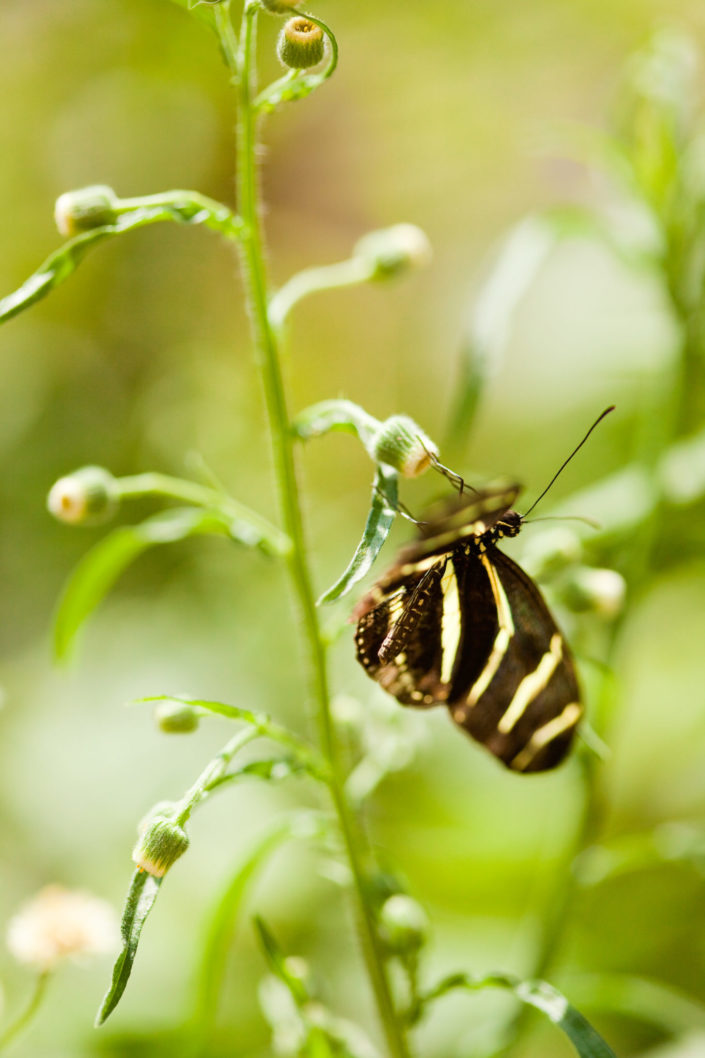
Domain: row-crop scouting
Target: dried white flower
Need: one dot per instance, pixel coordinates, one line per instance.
(61, 923)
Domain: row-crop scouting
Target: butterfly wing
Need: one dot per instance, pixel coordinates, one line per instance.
(524, 704)
(402, 610)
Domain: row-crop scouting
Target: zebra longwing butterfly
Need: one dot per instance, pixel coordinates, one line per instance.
(456, 622)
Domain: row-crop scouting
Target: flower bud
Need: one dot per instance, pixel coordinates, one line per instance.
(403, 924)
(402, 444)
(391, 251)
(176, 718)
(160, 846)
(86, 208)
(598, 591)
(86, 497)
(301, 44)
(280, 7)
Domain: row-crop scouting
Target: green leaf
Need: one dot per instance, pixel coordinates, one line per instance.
(543, 997)
(98, 570)
(190, 209)
(219, 934)
(277, 962)
(379, 521)
(651, 1002)
(140, 900)
(523, 254)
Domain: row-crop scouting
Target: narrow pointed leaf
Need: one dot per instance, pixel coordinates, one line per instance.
(140, 900)
(225, 918)
(543, 997)
(379, 522)
(99, 569)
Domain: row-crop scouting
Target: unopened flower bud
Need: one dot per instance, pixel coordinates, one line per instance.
(176, 718)
(598, 591)
(86, 497)
(403, 924)
(86, 208)
(402, 444)
(160, 846)
(301, 43)
(394, 250)
(280, 7)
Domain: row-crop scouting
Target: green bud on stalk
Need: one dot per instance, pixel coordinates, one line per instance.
(403, 924)
(160, 846)
(392, 251)
(84, 209)
(401, 443)
(301, 43)
(176, 718)
(89, 496)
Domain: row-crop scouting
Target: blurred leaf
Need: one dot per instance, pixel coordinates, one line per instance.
(379, 521)
(98, 570)
(652, 1002)
(670, 842)
(543, 997)
(278, 963)
(521, 257)
(140, 900)
(64, 261)
(223, 921)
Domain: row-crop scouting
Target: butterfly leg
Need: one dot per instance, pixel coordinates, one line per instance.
(398, 635)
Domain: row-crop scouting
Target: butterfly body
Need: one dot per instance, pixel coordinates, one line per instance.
(456, 622)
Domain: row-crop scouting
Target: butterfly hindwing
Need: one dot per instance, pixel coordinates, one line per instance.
(456, 622)
(526, 702)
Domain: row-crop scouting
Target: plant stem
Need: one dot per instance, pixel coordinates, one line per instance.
(267, 359)
(22, 1020)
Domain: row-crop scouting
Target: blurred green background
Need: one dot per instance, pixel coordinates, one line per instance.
(455, 116)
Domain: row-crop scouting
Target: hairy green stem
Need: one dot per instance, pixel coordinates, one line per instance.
(267, 358)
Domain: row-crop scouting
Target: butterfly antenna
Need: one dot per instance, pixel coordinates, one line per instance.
(565, 518)
(567, 461)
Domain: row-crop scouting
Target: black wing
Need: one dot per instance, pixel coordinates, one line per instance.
(523, 702)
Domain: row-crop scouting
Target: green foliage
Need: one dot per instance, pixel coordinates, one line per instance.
(143, 891)
(100, 567)
(184, 207)
(654, 156)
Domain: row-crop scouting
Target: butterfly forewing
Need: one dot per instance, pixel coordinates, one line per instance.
(458, 623)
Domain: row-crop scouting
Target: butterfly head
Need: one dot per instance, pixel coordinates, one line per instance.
(509, 524)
